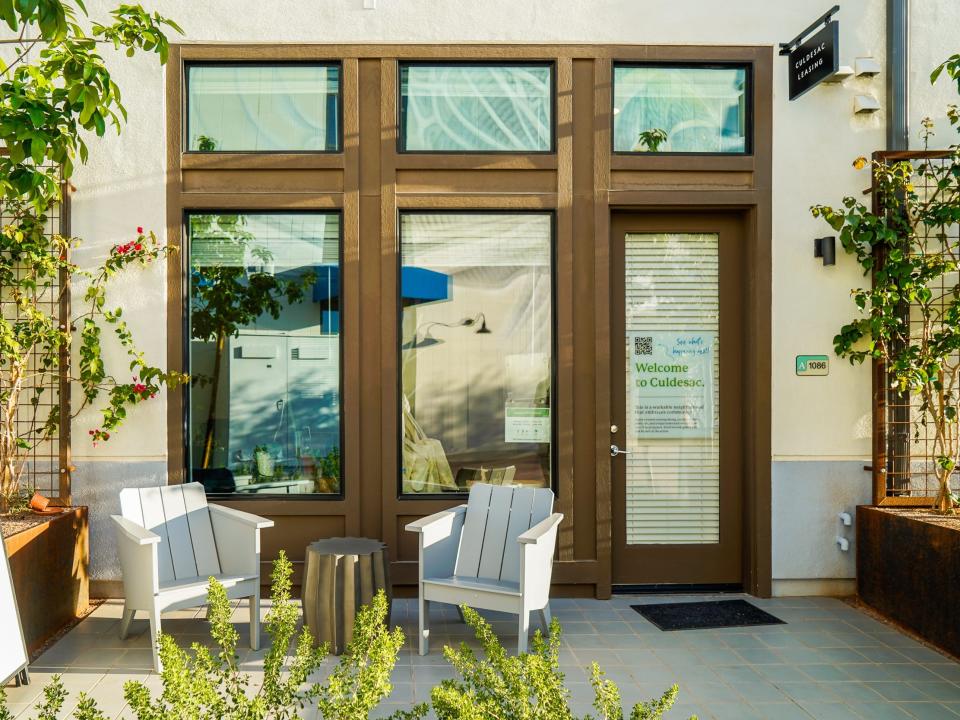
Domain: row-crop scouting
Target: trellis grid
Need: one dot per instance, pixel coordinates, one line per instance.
(904, 469)
(48, 468)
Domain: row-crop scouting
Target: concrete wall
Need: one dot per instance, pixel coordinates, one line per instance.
(820, 425)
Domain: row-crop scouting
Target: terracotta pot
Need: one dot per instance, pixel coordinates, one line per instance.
(39, 502)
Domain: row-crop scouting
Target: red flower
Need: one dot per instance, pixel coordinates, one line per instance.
(138, 247)
(139, 388)
(139, 230)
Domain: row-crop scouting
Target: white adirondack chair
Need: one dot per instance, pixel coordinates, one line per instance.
(495, 553)
(171, 542)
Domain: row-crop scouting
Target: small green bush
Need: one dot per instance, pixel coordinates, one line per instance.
(524, 687)
(205, 684)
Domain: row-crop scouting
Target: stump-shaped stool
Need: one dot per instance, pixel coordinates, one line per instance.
(341, 575)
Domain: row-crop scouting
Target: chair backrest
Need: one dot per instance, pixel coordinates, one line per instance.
(496, 517)
(179, 515)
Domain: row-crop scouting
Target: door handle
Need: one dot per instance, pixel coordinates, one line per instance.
(614, 451)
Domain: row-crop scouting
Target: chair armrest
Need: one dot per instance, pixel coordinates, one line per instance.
(237, 535)
(134, 533)
(439, 536)
(242, 517)
(539, 532)
(418, 526)
(537, 546)
(137, 550)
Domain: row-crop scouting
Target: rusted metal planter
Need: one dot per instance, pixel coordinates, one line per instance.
(50, 563)
(909, 570)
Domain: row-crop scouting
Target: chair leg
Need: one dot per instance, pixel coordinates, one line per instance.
(545, 618)
(125, 621)
(523, 630)
(154, 632)
(254, 621)
(424, 625)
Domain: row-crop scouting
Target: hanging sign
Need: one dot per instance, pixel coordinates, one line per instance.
(671, 385)
(815, 59)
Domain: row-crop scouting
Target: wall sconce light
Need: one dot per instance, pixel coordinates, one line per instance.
(826, 248)
(865, 104)
(866, 67)
(842, 73)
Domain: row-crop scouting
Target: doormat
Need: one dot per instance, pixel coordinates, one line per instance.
(705, 615)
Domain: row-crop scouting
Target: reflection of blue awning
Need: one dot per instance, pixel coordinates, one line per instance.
(417, 284)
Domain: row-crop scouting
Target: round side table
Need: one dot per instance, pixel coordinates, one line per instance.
(341, 575)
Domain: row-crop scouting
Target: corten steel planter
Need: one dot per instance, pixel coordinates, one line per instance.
(909, 570)
(49, 563)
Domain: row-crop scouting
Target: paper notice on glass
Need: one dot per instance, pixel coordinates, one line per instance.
(671, 385)
(524, 424)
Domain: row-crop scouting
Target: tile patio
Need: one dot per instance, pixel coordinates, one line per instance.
(829, 661)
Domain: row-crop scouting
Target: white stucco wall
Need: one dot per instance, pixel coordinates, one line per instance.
(816, 421)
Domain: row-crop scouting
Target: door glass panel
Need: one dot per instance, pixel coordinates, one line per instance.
(672, 388)
(264, 323)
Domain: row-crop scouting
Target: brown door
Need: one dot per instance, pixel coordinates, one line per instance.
(676, 458)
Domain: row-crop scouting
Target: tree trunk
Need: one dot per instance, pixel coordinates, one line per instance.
(944, 502)
(214, 392)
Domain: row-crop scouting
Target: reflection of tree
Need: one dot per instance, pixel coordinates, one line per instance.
(227, 295)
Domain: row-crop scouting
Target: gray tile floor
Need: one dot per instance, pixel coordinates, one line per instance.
(828, 661)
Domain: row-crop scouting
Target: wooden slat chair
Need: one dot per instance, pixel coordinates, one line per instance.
(171, 542)
(495, 553)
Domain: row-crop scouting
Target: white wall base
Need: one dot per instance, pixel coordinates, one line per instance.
(826, 587)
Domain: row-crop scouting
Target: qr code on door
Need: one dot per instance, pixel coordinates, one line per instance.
(643, 345)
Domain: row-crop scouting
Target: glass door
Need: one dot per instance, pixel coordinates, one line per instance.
(676, 378)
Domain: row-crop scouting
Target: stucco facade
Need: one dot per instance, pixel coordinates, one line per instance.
(820, 425)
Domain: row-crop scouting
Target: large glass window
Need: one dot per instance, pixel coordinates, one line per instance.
(267, 108)
(264, 354)
(469, 107)
(680, 109)
(476, 350)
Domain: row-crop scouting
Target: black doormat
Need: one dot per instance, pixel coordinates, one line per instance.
(703, 615)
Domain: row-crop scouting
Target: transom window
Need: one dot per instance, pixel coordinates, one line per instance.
(681, 109)
(278, 107)
(473, 107)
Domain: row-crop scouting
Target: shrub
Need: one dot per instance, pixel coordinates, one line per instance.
(205, 684)
(524, 687)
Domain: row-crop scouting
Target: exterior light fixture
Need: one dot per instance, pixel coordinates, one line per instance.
(826, 248)
(865, 104)
(866, 67)
(842, 73)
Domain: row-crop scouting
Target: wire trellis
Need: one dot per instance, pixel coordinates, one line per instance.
(905, 471)
(46, 469)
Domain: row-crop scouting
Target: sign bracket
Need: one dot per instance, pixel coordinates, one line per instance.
(824, 19)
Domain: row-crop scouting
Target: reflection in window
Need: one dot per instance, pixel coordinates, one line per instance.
(263, 107)
(476, 350)
(475, 108)
(265, 352)
(701, 110)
